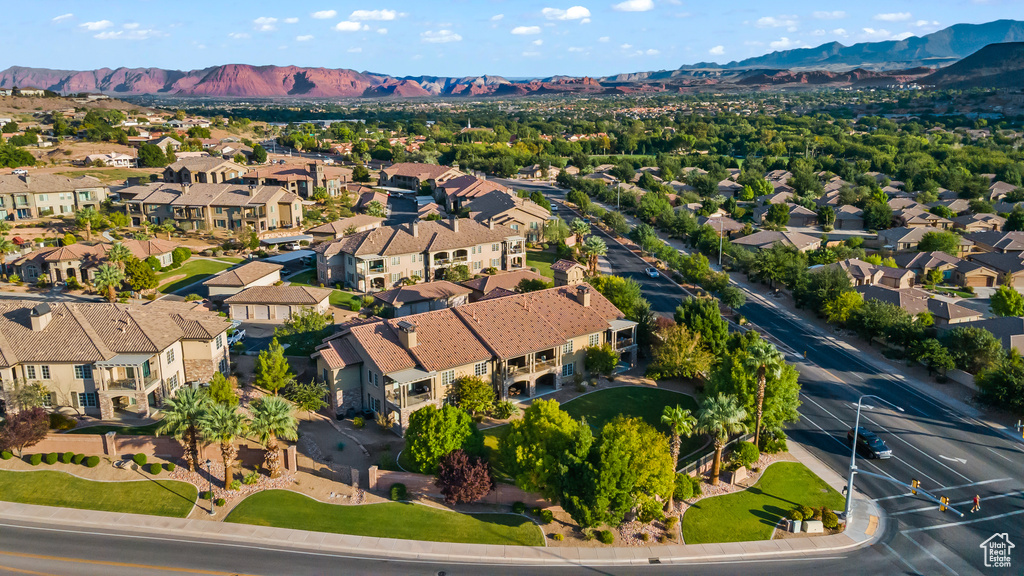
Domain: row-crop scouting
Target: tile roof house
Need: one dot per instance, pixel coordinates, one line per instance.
(900, 239)
(997, 241)
(524, 345)
(301, 179)
(80, 261)
(213, 206)
(338, 228)
(455, 193)
(103, 359)
(276, 302)
(974, 275)
(916, 301)
(1009, 266)
(381, 258)
(999, 190)
(419, 298)
(865, 274)
(849, 217)
(979, 223)
(921, 263)
(254, 273)
(915, 218)
(522, 215)
(204, 170)
(798, 215)
(722, 225)
(483, 285)
(1008, 329)
(113, 159)
(30, 196)
(412, 176)
(768, 238)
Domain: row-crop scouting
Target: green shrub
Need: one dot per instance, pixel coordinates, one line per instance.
(221, 502)
(398, 492)
(816, 515)
(359, 421)
(535, 511)
(795, 515)
(35, 459)
(504, 410)
(806, 511)
(355, 305)
(92, 461)
(155, 468)
(170, 466)
(59, 421)
(6, 455)
(235, 485)
(745, 454)
(684, 487)
(251, 478)
(77, 458)
(588, 534)
(140, 459)
(547, 516)
(51, 458)
(557, 537)
(66, 457)
(606, 536)
(775, 444)
(670, 523)
(519, 507)
(205, 495)
(650, 509)
(645, 536)
(829, 519)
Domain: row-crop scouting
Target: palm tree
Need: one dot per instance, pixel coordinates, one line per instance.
(594, 248)
(579, 228)
(680, 423)
(6, 247)
(108, 279)
(272, 419)
(223, 424)
(119, 254)
(763, 358)
(166, 228)
(719, 417)
(85, 218)
(182, 413)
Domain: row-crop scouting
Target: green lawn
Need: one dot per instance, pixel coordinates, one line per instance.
(753, 513)
(304, 344)
(285, 509)
(339, 298)
(51, 488)
(194, 270)
(542, 261)
(145, 430)
(107, 175)
(231, 259)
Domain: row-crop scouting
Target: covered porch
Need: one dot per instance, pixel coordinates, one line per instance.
(527, 376)
(621, 334)
(128, 384)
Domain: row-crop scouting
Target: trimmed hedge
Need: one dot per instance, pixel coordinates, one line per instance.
(221, 502)
(547, 516)
(205, 495)
(398, 492)
(155, 468)
(51, 458)
(169, 466)
(606, 537)
(92, 461)
(66, 457)
(6, 455)
(140, 459)
(519, 507)
(77, 458)
(35, 459)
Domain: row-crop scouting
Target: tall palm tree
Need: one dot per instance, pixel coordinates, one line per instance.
(594, 248)
(6, 247)
(272, 419)
(719, 417)
(84, 218)
(182, 413)
(763, 358)
(166, 228)
(223, 424)
(680, 423)
(579, 229)
(108, 279)
(119, 254)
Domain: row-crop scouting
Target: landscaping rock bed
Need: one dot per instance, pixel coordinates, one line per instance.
(201, 480)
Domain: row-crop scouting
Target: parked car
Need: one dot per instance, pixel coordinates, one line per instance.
(235, 337)
(652, 272)
(870, 444)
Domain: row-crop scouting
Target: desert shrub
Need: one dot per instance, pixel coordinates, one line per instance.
(774, 444)
(59, 421)
(806, 512)
(589, 534)
(51, 458)
(251, 478)
(205, 495)
(829, 519)
(745, 454)
(235, 485)
(6, 455)
(398, 492)
(35, 459)
(92, 461)
(504, 410)
(140, 459)
(66, 457)
(155, 468)
(221, 502)
(170, 466)
(557, 537)
(355, 306)
(816, 514)
(547, 516)
(662, 539)
(359, 421)
(606, 537)
(650, 509)
(684, 487)
(670, 522)
(519, 507)
(795, 515)
(581, 387)
(78, 458)
(645, 536)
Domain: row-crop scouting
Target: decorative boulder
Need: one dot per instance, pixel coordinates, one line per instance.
(813, 527)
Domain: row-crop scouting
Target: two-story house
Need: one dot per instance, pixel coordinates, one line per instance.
(204, 170)
(108, 359)
(520, 214)
(301, 179)
(454, 194)
(413, 176)
(80, 261)
(381, 258)
(213, 206)
(36, 195)
(526, 345)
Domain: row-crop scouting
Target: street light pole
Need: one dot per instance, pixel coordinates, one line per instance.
(853, 454)
(209, 475)
(721, 241)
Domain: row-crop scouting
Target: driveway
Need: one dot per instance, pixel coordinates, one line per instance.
(403, 210)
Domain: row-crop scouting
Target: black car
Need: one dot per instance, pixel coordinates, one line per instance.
(870, 444)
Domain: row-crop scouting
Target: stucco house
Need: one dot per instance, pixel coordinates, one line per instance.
(247, 275)
(276, 302)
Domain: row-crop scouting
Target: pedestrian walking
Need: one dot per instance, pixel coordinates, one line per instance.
(977, 503)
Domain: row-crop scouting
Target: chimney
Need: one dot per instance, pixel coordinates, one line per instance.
(28, 180)
(455, 223)
(184, 187)
(407, 334)
(490, 223)
(252, 190)
(416, 228)
(317, 171)
(583, 296)
(40, 316)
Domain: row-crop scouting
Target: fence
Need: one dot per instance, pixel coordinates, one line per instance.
(423, 485)
(705, 462)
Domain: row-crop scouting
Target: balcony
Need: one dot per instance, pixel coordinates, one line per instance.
(542, 365)
(122, 385)
(622, 343)
(516, 249)
(453, 260)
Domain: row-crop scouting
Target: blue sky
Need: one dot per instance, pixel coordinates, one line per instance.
(457, 37)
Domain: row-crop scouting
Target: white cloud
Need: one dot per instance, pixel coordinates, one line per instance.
(324, 14)
(576, 49)
(894, 17)
(237, 35)
(652, 52)
(526, 30)
(717, 50)
(634, 6)
(538, 42)
(878, 34)
(784, 21)
(902, 35)
(440, 37)
(265, 24)
(833, 15)
(97, 25)
(382, 30)
(130, 34)
(373, 15)
(923, 23)
(130, 26)
(574, 13)
(497, 17)
(304, 38)
(62, 17)
(585, 21)
(349, 26)
(841, 32)
(355, 50)
(603, 39)
(626, 46)
(291, 20)
(784, 44)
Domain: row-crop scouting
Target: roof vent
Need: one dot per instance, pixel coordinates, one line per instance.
(40, 316)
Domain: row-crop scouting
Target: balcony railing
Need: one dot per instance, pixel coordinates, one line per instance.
(623, 343)
(515, 250)
(544, 365)
(452, 260)
(127, 384)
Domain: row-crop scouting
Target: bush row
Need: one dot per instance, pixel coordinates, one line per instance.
(53, 457)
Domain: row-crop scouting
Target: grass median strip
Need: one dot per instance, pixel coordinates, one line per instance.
(285, 509)
(52, 488)
(144, 430)
(193, 270)
(753, 513)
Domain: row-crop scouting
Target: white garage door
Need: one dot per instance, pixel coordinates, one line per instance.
(283, 312)
(261, 312)
(240, 312)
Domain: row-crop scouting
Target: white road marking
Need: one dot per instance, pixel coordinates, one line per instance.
(953, 524)
(905, 463)
(998, 454)
(827, 433)
(937, 461)
(960, 460)
(961, 503)
(901, 559)
(929, 553)
(958, 486)
(893, 497)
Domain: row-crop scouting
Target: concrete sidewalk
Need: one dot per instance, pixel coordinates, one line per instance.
(862, 533)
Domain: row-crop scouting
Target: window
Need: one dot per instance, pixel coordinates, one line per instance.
(220, 341)
(447, 377)
(477, 265)
(595, 340)
(41, 198)
(83, 371)
(220, 209)
(46, 372)
(172, 382)
(327, 375)
(480, 369)
(223, 367)
(567, 347)
(515, 227)
(376, 381)
(87, 399)
(48, 400)
(396, 260)
(170, 356)
(534, 225)
(568, 369)
(395, 277)
(30, 371)
(495, 247)
(495, 262)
